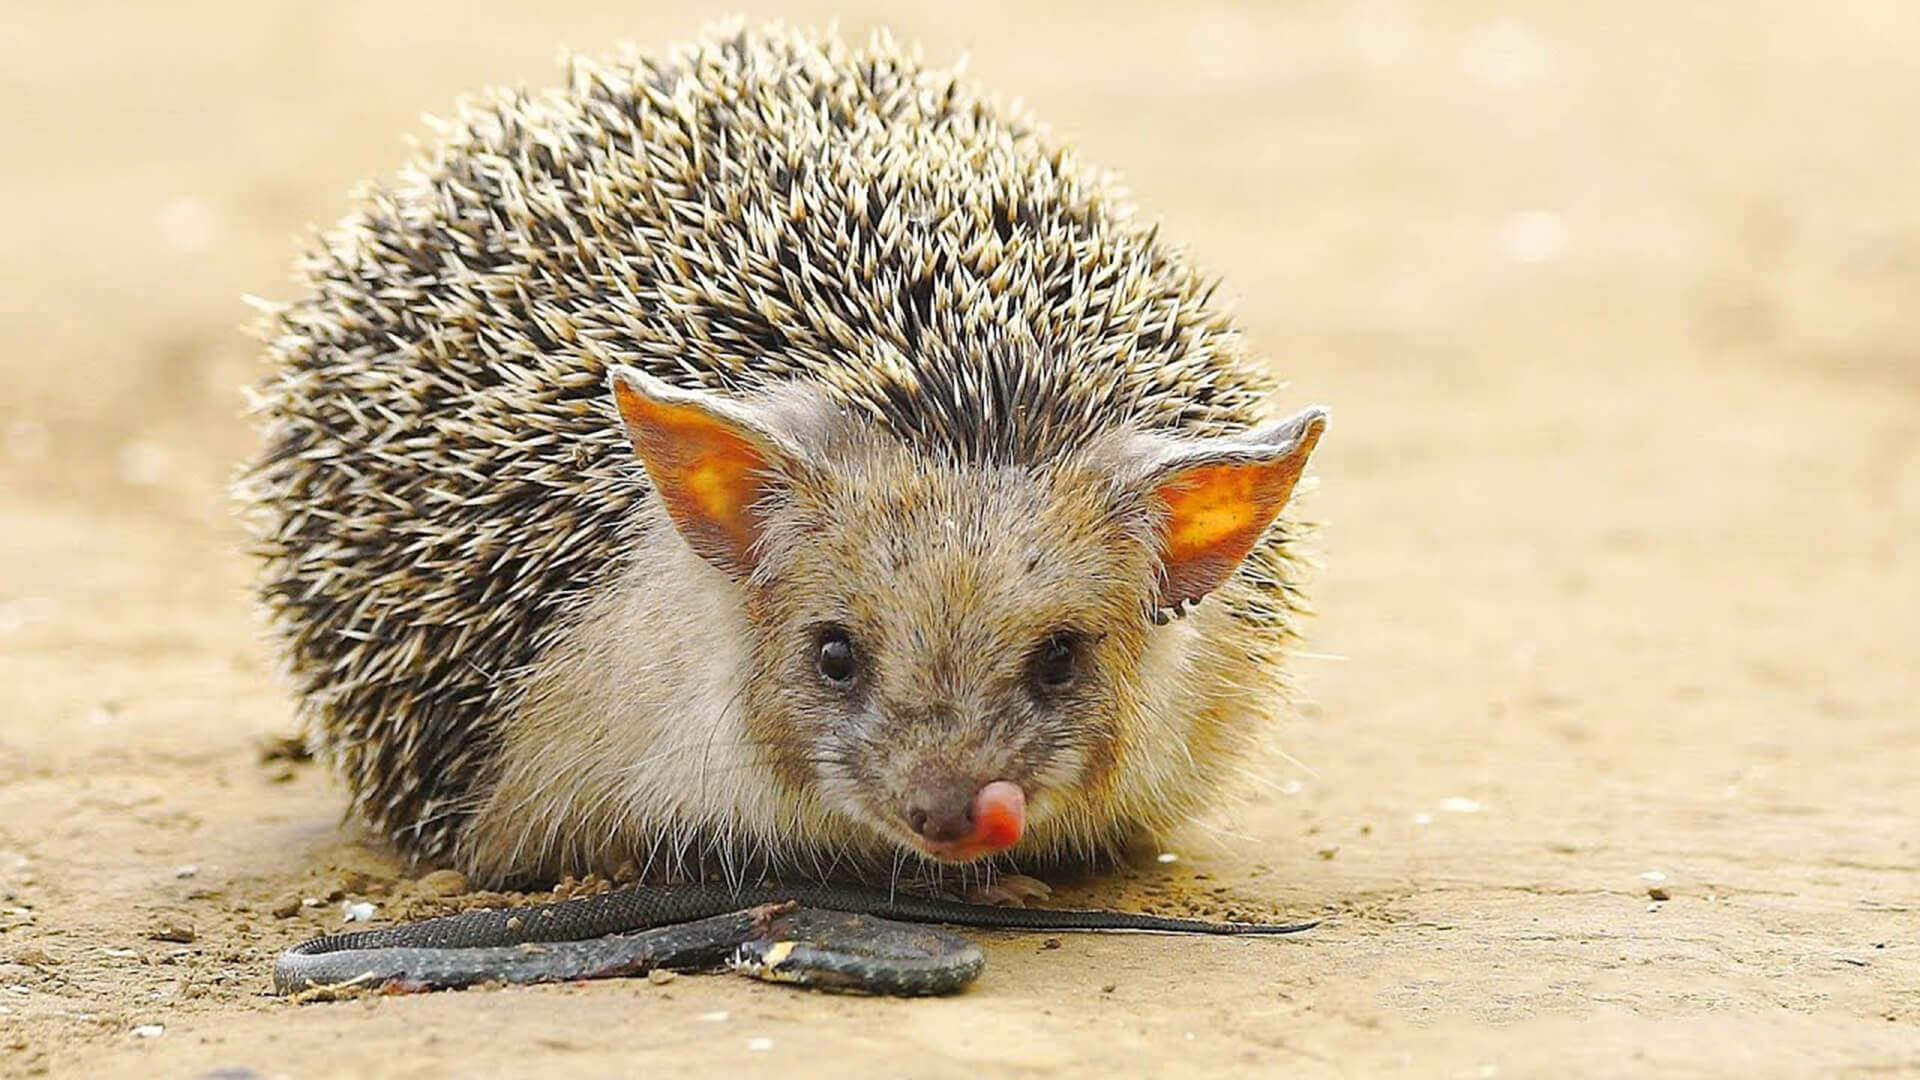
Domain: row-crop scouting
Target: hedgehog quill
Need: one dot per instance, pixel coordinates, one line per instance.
(774, 458)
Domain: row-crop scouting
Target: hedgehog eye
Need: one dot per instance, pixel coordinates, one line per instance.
(834, 657)
(1056, 662)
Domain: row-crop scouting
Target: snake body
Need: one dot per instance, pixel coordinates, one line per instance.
(828, 936)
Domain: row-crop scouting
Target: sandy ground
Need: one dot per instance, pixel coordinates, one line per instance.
(1614, 305)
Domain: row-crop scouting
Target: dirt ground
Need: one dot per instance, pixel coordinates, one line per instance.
(1614, 304)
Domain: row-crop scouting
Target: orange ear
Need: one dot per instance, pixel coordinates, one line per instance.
(1220, 496)
(707, 458)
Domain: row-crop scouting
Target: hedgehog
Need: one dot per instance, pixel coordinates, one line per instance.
(771, 455)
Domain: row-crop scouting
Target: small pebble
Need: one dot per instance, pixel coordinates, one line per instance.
(149, 1031)
(1168, 857)
(661, 976)
(1327, 853)
(354, 881)
(1658, 893)
(1050, 943)
(445, 883)
(1109, 988)
(1654, 876)
(172, 930)
(360, 912)
(287, 908)
(760, 1044)
(185, 872)
(1459, 804)
(283, 748)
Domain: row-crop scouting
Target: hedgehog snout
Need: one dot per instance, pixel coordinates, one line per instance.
(956, 819)
(954, 799)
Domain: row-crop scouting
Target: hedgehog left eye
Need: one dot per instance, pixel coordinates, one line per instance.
(836, 660)
(1056, 661)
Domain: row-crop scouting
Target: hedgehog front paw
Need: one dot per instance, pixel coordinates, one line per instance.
(1009, 890)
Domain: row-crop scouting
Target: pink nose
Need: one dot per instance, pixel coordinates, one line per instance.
(956, 825)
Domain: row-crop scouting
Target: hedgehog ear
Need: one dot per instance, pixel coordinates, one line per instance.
(1217, 497)
(712, 460)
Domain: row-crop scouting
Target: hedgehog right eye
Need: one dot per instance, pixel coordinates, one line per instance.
(835, 659)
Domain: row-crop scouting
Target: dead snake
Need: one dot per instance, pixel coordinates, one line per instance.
(827, 936)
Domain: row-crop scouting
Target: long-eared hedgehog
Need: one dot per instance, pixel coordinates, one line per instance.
(769, 454)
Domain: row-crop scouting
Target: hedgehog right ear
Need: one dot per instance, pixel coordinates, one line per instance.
(711, 459)
(1215, 498)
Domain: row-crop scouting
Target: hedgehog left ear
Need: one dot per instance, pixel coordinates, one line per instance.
(1217, 497)
(712, 460)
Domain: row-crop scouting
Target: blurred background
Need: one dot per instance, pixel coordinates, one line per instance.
(1617, 307)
